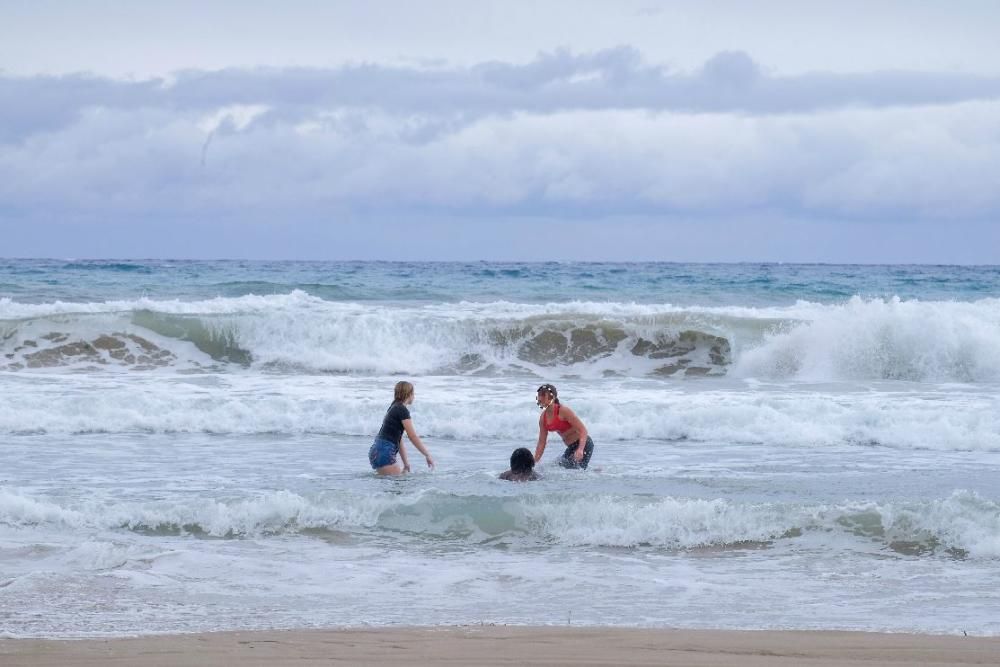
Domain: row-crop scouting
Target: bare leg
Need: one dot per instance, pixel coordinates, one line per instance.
(392, 469)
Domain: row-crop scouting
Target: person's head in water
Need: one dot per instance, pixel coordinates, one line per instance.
(522, 461)
(403, 392)
(522, 466)
(547, 395)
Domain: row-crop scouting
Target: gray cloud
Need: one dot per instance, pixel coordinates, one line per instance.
(43, 103)
(566, 137)
(942, 162)
(559, 81)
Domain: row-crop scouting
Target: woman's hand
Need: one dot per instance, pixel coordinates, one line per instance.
(578, 453)
(430, 462)
(406, 467)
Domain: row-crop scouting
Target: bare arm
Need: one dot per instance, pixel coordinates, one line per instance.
(543, 437)
(411, 433)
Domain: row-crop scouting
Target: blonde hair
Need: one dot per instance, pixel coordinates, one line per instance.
(402, 391)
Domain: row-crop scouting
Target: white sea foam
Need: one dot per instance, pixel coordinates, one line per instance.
(280, 511)
(964, 521)
(862, 339)
(906, 340)
(183, 465)
(938, 418)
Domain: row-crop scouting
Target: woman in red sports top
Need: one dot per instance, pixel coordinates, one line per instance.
(562, 420)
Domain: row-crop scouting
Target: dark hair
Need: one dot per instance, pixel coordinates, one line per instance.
(522, 460)
(549, 389)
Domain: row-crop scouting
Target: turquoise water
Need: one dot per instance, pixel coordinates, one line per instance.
(183, 446)
(39, 281)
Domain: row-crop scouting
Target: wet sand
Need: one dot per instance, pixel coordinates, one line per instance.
(504, 645)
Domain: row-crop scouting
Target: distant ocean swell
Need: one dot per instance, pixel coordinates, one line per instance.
(963, 525)
(296, 333)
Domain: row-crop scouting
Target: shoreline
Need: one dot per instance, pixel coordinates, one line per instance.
(509, 645)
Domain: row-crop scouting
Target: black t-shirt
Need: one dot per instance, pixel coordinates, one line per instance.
(392, 425)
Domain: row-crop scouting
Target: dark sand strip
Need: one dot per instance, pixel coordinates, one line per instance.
(506, 646)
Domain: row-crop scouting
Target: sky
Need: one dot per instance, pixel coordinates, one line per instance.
(798, 131)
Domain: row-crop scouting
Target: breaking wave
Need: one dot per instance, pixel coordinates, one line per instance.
(961, 525)
(298, 333)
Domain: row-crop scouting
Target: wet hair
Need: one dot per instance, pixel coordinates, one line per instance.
(522, 461)
(549, 389)
(402, 391)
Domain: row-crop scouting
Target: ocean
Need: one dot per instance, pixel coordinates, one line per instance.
(183, 446)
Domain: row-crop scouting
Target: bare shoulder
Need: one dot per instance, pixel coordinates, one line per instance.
(512, 476)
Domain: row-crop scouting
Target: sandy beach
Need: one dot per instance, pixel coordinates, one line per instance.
(493, 645)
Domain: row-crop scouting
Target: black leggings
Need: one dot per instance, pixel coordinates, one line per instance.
(567, 460)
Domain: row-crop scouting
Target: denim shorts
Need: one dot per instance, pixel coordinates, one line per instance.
(567, 460)
(382, 453)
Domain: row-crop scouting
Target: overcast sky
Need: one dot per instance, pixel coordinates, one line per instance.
(675, 131)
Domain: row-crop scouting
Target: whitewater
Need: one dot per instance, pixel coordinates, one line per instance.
(183, 446)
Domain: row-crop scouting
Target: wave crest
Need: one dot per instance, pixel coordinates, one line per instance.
(884, 340)
(861, 339)
(961, 525)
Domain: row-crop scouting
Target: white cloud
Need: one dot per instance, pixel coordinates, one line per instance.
(566, 137)
(928, 162)
(237, 117)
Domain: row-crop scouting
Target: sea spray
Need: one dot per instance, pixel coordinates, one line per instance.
(183, 446)
(862, 339)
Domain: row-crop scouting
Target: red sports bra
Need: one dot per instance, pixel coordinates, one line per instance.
(558, 424)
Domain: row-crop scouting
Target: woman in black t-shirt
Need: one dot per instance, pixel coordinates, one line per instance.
(389, 441)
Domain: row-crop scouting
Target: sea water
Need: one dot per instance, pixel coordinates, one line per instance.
(183, 446)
